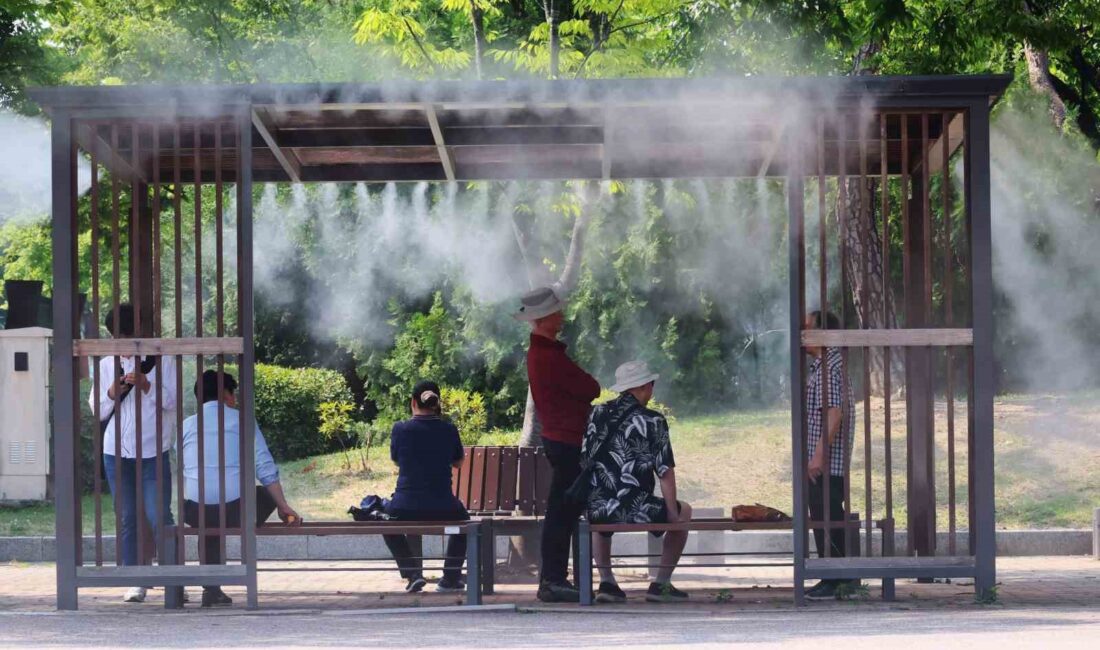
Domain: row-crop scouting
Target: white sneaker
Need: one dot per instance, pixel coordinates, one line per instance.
(135, 595)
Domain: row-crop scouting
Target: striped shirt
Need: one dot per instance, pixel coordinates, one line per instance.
(840, 396)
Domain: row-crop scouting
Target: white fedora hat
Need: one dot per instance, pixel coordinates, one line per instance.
(631, 375)
(538, 303)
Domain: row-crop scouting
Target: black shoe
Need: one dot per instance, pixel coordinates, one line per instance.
(664, 593)
(558, 592)
(824, 590)
(215, 597)
(415, 585)
(609, 592)
(446, 586)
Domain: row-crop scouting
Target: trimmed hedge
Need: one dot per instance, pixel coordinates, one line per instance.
(288, 408)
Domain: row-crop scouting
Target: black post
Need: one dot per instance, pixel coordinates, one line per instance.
(64, 422)
(978, 207)
(796, 269)
(248, 358)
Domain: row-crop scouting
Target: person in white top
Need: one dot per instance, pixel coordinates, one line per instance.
(130, 417)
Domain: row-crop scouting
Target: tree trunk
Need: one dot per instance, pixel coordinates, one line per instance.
(1038, 75)
(863, 244)
(562, 288)
(477, 17)
(551, 12)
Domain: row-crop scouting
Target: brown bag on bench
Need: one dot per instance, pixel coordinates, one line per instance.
(758, 513)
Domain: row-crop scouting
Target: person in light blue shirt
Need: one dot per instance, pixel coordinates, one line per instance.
(269, 494)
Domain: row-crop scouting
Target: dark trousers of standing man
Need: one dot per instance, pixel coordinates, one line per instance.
(212, 553)
(836, 514)
(560, 524)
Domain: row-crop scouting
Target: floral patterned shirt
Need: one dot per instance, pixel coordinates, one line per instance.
(629, 448)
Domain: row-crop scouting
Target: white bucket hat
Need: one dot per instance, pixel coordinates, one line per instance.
(538, 303)
(631, 375)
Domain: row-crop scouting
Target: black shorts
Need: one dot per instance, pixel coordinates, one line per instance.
(660, 518)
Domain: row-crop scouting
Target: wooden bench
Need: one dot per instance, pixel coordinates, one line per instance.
(725, 524)
(472, 529)
(716, 524)
(507, 488)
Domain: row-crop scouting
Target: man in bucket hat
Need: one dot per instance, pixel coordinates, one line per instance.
(563, 395)
(628, 445)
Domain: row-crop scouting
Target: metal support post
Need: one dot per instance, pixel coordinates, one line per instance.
(584, 568)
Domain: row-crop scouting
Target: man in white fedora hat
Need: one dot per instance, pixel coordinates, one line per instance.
(563, 395)
(628, 445)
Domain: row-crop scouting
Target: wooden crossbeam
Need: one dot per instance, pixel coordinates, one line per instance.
(936, 337)
(437, 135)
(162, 347)
(89, 140)
(955, 134)
(287, 160)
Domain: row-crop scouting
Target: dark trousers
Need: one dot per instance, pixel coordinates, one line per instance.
(836, 513)
(265, 505)
(411, 563)
(560, 525)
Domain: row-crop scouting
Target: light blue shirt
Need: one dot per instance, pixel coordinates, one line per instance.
(266, 470)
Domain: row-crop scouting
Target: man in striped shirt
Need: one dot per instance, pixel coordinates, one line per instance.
(830, 418)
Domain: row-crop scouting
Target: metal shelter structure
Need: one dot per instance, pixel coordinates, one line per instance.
(858, 148)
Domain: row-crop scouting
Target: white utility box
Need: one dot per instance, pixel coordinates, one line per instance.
(24, 413)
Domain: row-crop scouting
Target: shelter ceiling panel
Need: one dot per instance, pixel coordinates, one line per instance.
(364, 155)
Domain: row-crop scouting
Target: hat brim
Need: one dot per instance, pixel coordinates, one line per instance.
(634, 383)
(528, 315)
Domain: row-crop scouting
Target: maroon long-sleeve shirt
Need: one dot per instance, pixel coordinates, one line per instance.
(563, 393)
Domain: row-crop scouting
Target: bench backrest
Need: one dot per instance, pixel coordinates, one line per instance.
(503, 480)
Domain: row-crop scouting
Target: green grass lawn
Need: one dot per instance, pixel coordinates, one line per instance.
(1047, 451)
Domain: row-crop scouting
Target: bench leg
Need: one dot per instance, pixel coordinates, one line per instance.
(488, 557)
(173, 595)
(584, 567)
(473, 564)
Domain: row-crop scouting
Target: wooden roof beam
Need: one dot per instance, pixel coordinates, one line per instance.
(287, 160)
(441, 145)
(89, 139)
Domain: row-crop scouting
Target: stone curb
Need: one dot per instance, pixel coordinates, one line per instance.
(353, 547)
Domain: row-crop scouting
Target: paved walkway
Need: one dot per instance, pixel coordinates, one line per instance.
(1024, 582)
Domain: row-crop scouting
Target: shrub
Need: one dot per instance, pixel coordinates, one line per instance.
(288, 408)
(466, 409)
(499, 438)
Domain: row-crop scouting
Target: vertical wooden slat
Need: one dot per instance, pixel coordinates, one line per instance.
(156, 280)
(884, 189)
(477, 480)
(177, 304)
(136, 251)
(74, 329)
(948, 321)
(509, 465)
(492, 479)
(464, 477)
(197, 189)
(116, 298)
(220, 314)
(823, 367)
(97, 437)
(842, 211)
(543, 475)
(865, 308)
(526, 480)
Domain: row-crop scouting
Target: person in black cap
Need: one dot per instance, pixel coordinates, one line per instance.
(426, 448)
